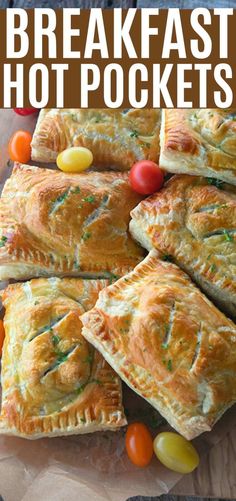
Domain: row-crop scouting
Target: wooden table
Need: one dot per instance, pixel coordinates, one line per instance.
(216, 475)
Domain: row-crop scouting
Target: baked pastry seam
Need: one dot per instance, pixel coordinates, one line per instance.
(168, 342)
(53, 382)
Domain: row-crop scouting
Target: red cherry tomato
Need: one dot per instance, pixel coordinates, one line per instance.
(138, 443)
(25, 111)
(19, 148)
(146, 177)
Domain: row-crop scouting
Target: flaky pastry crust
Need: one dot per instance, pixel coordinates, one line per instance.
(200, 142)
(115, 137)
(52, 223)
(168, 342)
(193, 222)
(53, 381)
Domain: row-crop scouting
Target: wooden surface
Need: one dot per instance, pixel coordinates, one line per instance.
(170, 498)
(216, 475)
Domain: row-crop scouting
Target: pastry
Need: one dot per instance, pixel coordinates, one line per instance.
(200, 142)
(53, 381)
(52, 223)
(116, 138)
(168, 342)
(192, 221)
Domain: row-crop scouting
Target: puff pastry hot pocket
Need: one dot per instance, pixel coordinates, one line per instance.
(168, 342)
(192, 220)
(52, 223)
(53, 381)
(116, 137)
(200, 142)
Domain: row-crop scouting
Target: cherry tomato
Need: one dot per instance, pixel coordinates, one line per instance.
(19, 148)
(138, 442)
(146, 177)
(25, 111)
(75, 159)
(2, 336)
(175, 452)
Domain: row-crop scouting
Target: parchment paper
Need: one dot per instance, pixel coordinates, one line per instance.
(94, 467)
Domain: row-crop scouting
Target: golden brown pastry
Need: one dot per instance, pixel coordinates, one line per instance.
(200, 142)
(53, 381)
(192, 220)
(115, 137)
(168, 342)
(52, 223)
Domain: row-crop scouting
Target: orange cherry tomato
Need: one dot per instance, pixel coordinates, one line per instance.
(138, 443)
(2, 336)
(19, 148)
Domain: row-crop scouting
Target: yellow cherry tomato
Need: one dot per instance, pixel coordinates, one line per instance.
(75, 159)
(175, 452)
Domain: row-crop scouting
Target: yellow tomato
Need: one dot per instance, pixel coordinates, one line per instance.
(75, 159)
(175, 452)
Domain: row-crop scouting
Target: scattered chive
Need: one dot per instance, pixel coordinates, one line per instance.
(55, 340)
(59, 201)
(213, 268)
(134, 133)
(81, 388)
(169, 365)
(88, 359)
(228, 236)
(86, 235)
(167, 257)
(3, 241)
(62, 197)
(61, 357)
(164, 346)
(112, 277)
(90, 199)
(215, 182)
